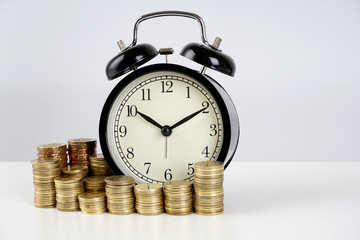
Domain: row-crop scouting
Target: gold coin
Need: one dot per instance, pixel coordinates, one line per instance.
(92, 196)
(119, 180)
(66, 180)
(74, 169)
(148, 188)
(81, 140)
(51, 146)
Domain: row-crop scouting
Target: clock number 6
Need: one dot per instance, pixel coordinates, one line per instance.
(167, 174)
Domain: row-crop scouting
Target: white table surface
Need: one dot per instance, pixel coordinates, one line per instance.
(262, 201)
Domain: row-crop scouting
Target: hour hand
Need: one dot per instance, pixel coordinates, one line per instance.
(150, 120)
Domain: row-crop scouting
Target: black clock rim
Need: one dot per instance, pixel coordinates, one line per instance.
(203, 79)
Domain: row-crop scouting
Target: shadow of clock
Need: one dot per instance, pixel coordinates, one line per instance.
(261, 187)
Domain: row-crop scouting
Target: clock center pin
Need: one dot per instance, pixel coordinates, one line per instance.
(166, 131)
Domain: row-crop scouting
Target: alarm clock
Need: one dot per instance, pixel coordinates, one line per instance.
(162, 118)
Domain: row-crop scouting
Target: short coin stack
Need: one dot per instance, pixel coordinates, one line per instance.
(67, 191)
(76, 171)
(98, 166)
(178, 197)
(92, 202)
(208, 188)
(149, 199)
(95, 184)
(119, 191)
(80, 149)
(43, 177)
(53, 151)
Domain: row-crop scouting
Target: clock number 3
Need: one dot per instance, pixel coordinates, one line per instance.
(213, 130)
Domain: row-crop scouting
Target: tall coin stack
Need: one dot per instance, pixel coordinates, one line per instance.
(53, 151)
(119, 191)
(67, 191)
(208, 187)
(43, 177)
(80, 150)
(178, 197)
(77, 171)
(95, 184)
(149, 199)
(92, 202)
(98, 166)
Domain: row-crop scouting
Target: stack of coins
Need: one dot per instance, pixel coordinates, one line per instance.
(120, 194)
(178, 197)
(80, 149)
(44, 188)
(149, 199)
(92, 202)
(67, 191)
(77, 171)
(208, 188)
(53, 151)
(95, 184)
(98, 166)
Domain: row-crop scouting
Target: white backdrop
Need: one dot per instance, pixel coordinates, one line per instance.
(296, 87)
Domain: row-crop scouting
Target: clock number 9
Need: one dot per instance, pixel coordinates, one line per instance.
(123, 131)
(167, 174)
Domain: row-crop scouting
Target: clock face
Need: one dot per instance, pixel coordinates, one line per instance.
(159, 124)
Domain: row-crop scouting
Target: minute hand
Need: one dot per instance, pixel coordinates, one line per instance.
(187, 118)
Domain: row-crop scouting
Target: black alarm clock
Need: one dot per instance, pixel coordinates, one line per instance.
(160, 119)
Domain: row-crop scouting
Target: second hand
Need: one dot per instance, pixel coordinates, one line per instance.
(166, 146)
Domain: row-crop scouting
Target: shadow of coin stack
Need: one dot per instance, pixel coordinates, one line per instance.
(149, 199)
(98, 166)
(178, 197)
(119, 191)
(53, 151)
(208, 188)
(43, 178)
(80, 150)
(92, 202)
(67, 191)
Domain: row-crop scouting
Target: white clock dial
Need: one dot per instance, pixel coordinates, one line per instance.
(160, 124)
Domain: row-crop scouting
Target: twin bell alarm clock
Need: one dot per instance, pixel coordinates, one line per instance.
(160, 119)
